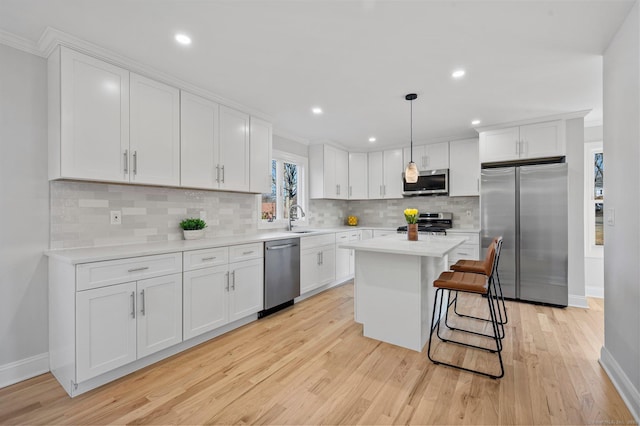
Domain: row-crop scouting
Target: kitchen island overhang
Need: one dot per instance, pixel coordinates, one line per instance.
(393, 285)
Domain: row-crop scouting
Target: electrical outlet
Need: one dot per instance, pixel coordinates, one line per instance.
(469, 213)
(116, 217)
(203, 215)
(611, 217)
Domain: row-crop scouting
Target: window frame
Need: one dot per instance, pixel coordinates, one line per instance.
(590, 248)
(302, 195)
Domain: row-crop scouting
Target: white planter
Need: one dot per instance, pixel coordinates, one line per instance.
(193, 235)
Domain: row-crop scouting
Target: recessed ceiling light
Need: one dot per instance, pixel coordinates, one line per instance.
(458, 74)
(372, 139)
(183, 39)
(316, 110)
(475, 122)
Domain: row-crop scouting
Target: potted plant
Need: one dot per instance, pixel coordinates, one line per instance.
(193, 228)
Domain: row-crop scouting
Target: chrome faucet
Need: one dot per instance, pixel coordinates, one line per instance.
(291, 211)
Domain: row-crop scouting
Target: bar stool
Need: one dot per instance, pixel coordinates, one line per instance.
(476, 267)
(468, 283)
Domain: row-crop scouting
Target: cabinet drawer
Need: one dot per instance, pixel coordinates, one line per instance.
(343, 237)
(100, 274)
(198, 259)
(472, 237)
(245, 252)
(317, 241)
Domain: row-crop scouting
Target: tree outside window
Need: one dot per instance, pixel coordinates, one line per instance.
(286, 186)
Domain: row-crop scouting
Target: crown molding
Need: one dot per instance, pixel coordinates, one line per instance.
(51, 38)
(565, 116)
(20, 43)
(286, 135)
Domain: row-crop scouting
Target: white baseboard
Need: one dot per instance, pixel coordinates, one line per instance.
(630, 395)
(578, 301)
(23, 369)
(595, 292)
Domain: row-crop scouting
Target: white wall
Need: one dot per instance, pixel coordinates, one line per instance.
(24, 215)
(282, 143)
(620, 354)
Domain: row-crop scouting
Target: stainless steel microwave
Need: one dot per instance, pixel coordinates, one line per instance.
(430, 182)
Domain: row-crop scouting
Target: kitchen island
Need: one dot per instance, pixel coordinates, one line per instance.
(393, 285)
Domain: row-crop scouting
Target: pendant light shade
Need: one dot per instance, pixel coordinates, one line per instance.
(411, 172)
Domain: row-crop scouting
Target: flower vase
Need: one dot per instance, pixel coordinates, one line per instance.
(412, 231)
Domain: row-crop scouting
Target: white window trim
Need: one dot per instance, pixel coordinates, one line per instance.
(590, 249)
(303, 190)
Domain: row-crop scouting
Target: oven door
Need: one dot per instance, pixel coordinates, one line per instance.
(430, 182)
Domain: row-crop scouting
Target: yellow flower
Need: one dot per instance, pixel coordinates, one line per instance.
(411, 215)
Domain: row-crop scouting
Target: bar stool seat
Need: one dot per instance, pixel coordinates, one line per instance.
(471, 283)
(465, 265)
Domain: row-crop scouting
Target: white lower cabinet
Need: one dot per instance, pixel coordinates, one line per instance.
(470, 249)
(121, 323)
(215, 296)
(159, 313)
(345, 259)
(317, 261)
(106, 329)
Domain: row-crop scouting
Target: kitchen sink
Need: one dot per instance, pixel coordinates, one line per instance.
(301, 232)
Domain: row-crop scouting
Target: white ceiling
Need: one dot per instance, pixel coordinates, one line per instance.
(357, 59)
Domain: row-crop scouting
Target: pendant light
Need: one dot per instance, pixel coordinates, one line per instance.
(411, 172)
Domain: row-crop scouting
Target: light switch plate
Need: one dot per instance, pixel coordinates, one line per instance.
(611, 217)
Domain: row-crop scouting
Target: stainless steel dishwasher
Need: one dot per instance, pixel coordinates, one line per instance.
(281, 274)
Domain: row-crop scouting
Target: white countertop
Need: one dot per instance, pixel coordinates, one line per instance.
(427, 245)
(96, 254)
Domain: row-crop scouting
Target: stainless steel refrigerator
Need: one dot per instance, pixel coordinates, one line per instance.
(527, 205)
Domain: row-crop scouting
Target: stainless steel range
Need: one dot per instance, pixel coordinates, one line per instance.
(432, 224)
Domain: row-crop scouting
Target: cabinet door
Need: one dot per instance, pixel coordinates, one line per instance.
(94, 118)
(309, 266)
(260, 153)
(205, 300)
(376, 176)
(358, 176)
(464, 171)
(198, 142)
(159, 313)
(436, 156)
(329, 167)
(393, 168)
(342, 174)
(542, 140)
(155, 132)
(419, 156)
(343, 256)
(234, 150)
(106, 329)
(247, 288)
(327, 267)
(500, 145)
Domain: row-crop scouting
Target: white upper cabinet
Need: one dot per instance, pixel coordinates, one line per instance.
(539, 140)
(88, 118)
(260, 153)
(385, 174)
(393, 168)
(233, 166)
(198, 142)
(154, 132)
(464, 168)
(358, 176)
(329, 172)
(429, 157)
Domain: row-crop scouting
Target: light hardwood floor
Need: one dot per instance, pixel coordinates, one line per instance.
(310, 364)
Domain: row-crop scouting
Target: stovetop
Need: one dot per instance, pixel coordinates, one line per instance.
(432, 223)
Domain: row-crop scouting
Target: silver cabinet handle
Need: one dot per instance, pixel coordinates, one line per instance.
(133, 304)
(318, 258)
(343, 237)
(227, 277)
(142, 310)
(322, 258)
(218, 173)
(135, 162)
(126, 161)
(222, 174)
(350, 191)
(244, 253)
(144, 268)
(233, 280)
(208, 258)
